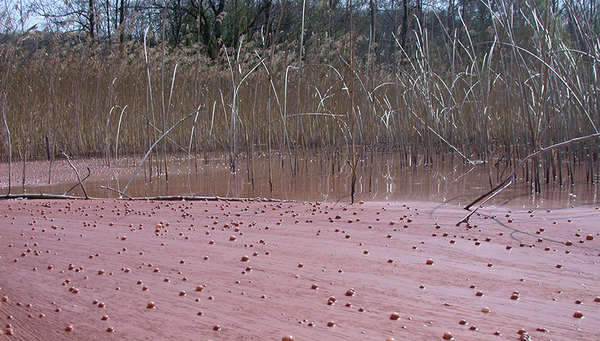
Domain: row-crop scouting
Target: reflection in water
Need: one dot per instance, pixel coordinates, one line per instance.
(381, 177)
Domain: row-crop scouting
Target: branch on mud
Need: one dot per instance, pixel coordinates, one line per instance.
(203, 198)
(505, 183)
(158, 198)
(38, 196)
(509, 179)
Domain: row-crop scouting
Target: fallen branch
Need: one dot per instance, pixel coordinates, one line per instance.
(158, 198)
(39, 196)
(77, 173)
(466, 218)
(82, 180)
(509, 179)
(203, 198)
(116, 190)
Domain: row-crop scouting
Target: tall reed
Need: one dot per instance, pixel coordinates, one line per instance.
(492, 102)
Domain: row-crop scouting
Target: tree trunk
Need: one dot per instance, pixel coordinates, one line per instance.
(373, 15)
(121, 20)
(108, 32)
(92, 24)
(404, 27)
(451, 16)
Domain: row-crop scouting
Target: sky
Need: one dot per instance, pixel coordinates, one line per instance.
(19, 16)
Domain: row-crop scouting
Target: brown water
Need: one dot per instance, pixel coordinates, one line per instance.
(382, 177)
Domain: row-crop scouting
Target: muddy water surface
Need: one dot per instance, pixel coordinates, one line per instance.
(383, 177)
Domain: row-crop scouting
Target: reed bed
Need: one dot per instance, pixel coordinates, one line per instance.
(490, 104)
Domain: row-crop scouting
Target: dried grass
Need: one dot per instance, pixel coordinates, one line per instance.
(494, 106)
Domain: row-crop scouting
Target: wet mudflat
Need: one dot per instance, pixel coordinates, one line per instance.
(134, 270)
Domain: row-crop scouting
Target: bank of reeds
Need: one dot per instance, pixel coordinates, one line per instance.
(493, 105)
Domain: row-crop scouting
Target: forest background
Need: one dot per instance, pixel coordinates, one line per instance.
(489, 81)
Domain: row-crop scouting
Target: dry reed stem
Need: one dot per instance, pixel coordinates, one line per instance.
(9, 141)
(118, 133)
(76, 173)
(152, 148)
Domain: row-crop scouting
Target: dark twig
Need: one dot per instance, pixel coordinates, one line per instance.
(505, 184)
(508, 180)
(38, 196)
(116, 190)
(77, 173)
(204, 198)
(82, 180)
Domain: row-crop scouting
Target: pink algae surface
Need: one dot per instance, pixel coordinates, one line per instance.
(200, 270)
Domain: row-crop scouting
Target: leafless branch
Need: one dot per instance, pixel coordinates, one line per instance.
(77, 173)
(509, 179)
